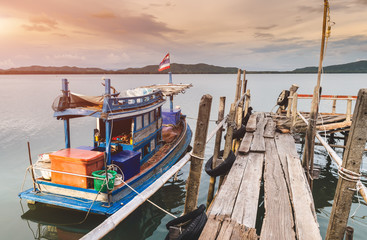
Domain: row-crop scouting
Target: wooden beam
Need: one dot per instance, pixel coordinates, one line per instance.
(258, 144)
(246, 143)
(251, 124)
(352, 161)
(306, 224)
(246, 205)
(278, 221)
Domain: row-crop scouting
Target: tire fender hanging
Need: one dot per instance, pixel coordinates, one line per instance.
(222, 168)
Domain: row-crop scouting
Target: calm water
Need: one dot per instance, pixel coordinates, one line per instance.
(26, 115)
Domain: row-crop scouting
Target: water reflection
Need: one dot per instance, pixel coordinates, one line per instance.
(47, 222)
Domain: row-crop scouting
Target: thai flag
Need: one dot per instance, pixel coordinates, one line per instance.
(165, 64)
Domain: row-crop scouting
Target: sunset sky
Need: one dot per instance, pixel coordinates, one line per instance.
(117, 34)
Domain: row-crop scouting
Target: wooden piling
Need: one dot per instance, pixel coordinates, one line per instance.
(349, 109)
(238, 86)
(292, 90)
(218, 139)
(229, 136)
(352, 162)
(197, 157)
(333, 110)
(308, 153)
(294, 111)
(247, 102)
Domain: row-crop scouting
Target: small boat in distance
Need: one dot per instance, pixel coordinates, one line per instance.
(135, 142)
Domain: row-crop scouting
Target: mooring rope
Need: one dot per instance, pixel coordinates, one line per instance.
(154, 204)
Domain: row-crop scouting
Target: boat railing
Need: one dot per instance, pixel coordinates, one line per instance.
(122, 103)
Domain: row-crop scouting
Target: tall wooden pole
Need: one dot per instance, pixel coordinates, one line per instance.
(229, 136)
(218, 139)
(352, 162)
(197, 156)
(308, 153)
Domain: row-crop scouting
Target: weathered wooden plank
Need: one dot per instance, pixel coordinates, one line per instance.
(270, 129)
(304, 209)
(211, 229)
(258, 143)
(251, 124)
(246, 143)
(246, 205)
(241, 232)
(285, 145)
(226, 230)
(278, 221)
(226, 197)
(333, 126)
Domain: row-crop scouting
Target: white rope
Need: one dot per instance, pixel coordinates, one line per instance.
(196, 156)
(154, 204)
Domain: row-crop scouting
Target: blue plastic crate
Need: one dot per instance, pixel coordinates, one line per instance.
(169, 117)
(128, 161)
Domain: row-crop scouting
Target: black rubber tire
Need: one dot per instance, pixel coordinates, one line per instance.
(239, 133)
(189, 216)
(196, 222)
(194, 229)
(223, 168)
(283, 98)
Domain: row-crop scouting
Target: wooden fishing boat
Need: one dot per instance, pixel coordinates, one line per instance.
(135, 142)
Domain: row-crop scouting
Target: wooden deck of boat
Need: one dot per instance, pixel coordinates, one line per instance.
(267, 164)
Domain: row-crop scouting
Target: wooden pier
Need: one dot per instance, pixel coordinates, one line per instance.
(265, 159)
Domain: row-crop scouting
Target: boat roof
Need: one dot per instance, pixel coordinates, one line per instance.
(170, 89)
(134, 102)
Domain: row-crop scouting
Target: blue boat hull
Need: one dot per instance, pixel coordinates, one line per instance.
(119, 197)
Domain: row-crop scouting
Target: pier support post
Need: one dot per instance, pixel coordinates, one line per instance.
(229, 136)
(294, 111)
(292, 90)
(218, 139)
(351, 161)
(197, 156)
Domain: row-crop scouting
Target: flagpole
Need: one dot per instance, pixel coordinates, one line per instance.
(170, 97)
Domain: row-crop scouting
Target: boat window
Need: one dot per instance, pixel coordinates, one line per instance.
(138, 122)
(152, 116)
(146, 149)
(121, 130)
(152, 144)
(146, 119)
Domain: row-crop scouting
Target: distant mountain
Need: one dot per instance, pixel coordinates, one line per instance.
(52, 70)
(150, 69)
(354, 67)
(201, 68)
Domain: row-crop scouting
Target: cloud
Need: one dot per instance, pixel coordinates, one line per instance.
(104, 15)
(263, 35)
(266, 27)
(68, 57)
(6, 64)
(40, 23)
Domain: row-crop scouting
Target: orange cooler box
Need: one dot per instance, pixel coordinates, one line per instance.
(77, 161)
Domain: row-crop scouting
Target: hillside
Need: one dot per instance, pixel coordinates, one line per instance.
(354, 67)
(201, 68)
